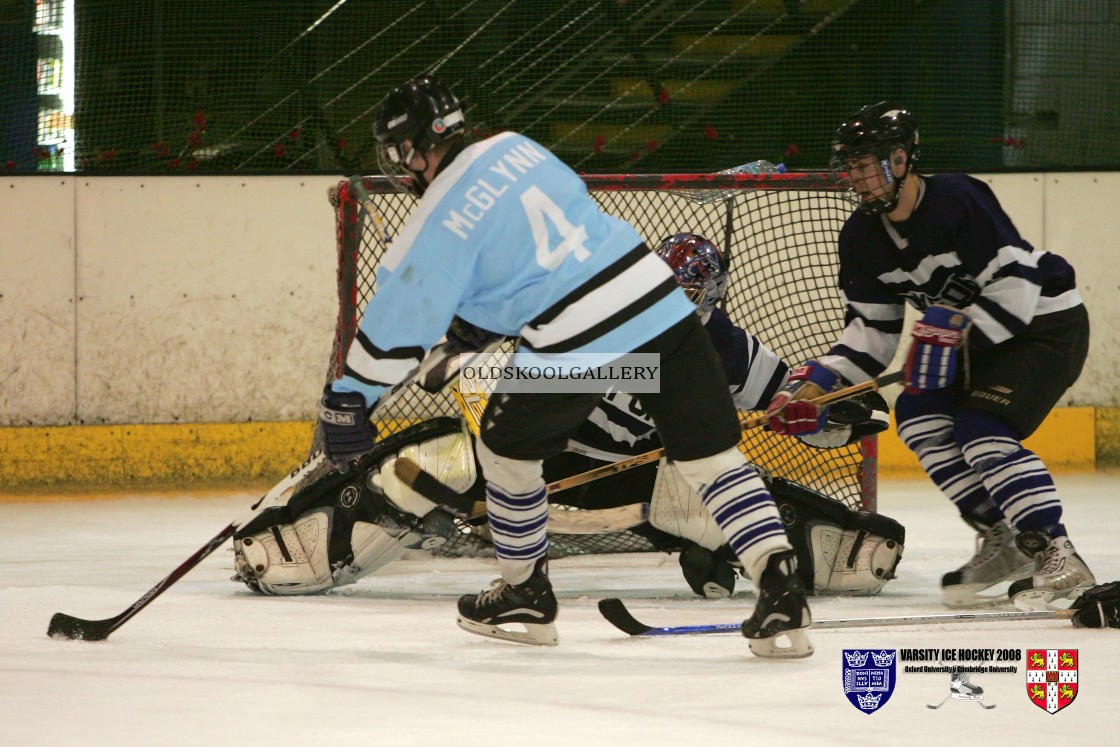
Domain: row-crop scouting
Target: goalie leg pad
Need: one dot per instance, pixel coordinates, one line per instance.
(316, 530)
(677, 509)
(839, 551)
(293, 559)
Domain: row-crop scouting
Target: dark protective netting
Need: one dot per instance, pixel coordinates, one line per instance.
(655, 86)
(779, 232)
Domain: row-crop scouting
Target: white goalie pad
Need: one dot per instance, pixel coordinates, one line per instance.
(346, 526)
(449, 458)
(294, 558)
(677, 509)
(849, 561)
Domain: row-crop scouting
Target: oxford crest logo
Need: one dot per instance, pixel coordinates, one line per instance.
(869, 677)
(1052, 677)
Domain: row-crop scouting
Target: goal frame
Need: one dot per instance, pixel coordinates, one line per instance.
(353, 202)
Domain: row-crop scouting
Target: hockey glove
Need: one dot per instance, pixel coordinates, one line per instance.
(851, 420)
(934, 356)
(1098, 607)
(790, 413)
(344, 420)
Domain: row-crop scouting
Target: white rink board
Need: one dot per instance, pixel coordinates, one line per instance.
(383, 663)
(37, 300)
(212, 299)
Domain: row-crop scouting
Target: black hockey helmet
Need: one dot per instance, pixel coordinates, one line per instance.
(877, 130)
(422, 112)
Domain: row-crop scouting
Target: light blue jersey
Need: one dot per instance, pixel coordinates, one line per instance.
(507, 238)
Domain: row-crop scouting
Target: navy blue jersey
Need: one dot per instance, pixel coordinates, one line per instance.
(619, 427)
(958, 248)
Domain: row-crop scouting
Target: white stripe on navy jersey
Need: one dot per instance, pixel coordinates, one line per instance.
(991, 273)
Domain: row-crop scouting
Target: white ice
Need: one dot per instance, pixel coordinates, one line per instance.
(383, 663)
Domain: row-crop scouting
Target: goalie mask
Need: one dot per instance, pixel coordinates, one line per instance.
(865, 147)
(699, 269)
(412, 120)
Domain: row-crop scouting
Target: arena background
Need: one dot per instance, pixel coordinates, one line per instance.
(167, 256)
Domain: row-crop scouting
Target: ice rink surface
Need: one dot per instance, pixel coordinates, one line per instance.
(383, 663)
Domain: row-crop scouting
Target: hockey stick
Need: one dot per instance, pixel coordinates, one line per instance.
(560, 521)
(755, 422)
(617, 615)
(63, 626)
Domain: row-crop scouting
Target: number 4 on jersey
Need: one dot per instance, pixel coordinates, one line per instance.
(538, 207)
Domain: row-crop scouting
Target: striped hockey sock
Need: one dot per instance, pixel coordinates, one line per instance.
(931, 438)
(742, 506)
(518, 527)
(1018, 481)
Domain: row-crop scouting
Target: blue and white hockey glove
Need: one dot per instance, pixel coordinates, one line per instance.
(935, 353)
(344, 420)
(790, 412)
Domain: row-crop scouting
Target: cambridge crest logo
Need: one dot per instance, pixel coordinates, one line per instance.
(868, 677)
(1052, 677)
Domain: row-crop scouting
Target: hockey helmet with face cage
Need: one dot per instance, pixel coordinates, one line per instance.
(412, 119)
(699, 268)
(877, 130)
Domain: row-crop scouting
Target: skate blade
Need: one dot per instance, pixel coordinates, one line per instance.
(789, 644)
(1048, 600)
(969, 595)
(532, 635)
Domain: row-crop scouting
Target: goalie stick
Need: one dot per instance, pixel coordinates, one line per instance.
(617, 615)
(560, 521)
(755, 422)
(63, 626)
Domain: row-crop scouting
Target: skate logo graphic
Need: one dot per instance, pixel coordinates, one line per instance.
(962, 688)
(1052, 677)
(869, 677)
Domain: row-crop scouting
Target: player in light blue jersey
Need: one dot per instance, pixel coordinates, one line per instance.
(1003, 334)
(506, 238)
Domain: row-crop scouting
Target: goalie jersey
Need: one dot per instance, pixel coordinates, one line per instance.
(958, 249)
(620, 428)
(507, 238)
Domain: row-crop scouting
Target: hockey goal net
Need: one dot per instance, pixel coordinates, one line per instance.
(778, 232)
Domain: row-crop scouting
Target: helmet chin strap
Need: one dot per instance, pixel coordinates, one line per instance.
(881, 205)
(418, 176)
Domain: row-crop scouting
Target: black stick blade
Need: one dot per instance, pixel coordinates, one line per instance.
(617, 615)
(65, 627)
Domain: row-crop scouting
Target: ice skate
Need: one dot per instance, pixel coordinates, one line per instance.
(531, 605)
(778, 628)
(1059, 577)
(960, 686)
(998, 560)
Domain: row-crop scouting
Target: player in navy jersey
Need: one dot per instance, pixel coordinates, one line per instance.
(506, 238)
(1003, 334)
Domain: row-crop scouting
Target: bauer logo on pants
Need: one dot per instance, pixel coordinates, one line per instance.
(1052, 677)
(869, 677)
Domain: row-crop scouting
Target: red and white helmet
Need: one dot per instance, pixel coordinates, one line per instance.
(699, 268)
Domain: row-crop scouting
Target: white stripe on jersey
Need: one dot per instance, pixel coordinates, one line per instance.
(877, 312)
(921, 274)
(763, 364)
(606, 300)
(380, 370)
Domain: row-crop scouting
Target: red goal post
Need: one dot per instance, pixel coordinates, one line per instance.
(777, 231)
